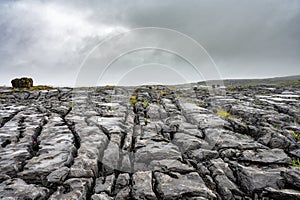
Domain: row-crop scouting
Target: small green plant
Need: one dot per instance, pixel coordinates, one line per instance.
(296, 135)
(112, 108)
(245, 135)
(162, 93)
(71, 105)
(145, 121)
(146, 104)
(257, 102)
(276, 126)
(137, 90)
(231, 88)
(133, 100)
(296, 163)
(223, 113)
(190, 100)
(201, 105)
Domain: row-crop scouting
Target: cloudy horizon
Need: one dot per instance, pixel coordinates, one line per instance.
(50, 40)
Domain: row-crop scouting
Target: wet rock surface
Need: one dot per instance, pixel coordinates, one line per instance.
(150, 142)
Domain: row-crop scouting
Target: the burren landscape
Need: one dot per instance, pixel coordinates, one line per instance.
(151, 142)
(149, 100)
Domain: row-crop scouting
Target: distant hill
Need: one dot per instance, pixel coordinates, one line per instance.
(287, 81)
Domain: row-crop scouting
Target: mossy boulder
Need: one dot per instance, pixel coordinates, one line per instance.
(22, 82)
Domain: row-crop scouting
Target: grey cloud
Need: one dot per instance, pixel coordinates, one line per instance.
(49, 39)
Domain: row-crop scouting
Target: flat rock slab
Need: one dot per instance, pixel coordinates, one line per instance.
(182, 186)
(156, 151)
(252, 179)
(276, 156)
(19, 189)
(73, 189)
(142, 186)
(282, 194)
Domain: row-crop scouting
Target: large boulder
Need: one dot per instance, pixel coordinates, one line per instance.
(22, 82)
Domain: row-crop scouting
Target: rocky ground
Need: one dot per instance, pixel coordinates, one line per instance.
(151, 142)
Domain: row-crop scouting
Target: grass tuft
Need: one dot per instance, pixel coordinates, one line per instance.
(41, 87)
(276, 126)
(110, 87)
(223, 113)
(296, 163)
(113, 108)
(296, 135)
(145, 104)
(133, 100)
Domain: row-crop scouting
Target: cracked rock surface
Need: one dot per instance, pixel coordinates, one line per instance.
(150, 142)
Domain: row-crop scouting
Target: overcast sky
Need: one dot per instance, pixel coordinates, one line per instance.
(50, 40)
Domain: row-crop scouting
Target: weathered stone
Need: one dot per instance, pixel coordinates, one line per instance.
(155, 151)
(279, 141)
(104, 184)
(219, 167)
(282, 194)
(121, 182)
(111, 157)
(202, 154)
(12, 159)
(182, 186)
(226, 188)
(19, 189)
(126, 162)
(73, 189)
(276, 156)
(230, 153)
(93, 142)
(295, 152)
(124, 194)
(142, 186)
(251, 179)
(97, 143)
(202, 169)
(57, 145)
(222, 139)
(172, 165)
(4, 177)
(292, 177)
(102, 196)
(187, 142)
(265, 139)
(58, 176)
